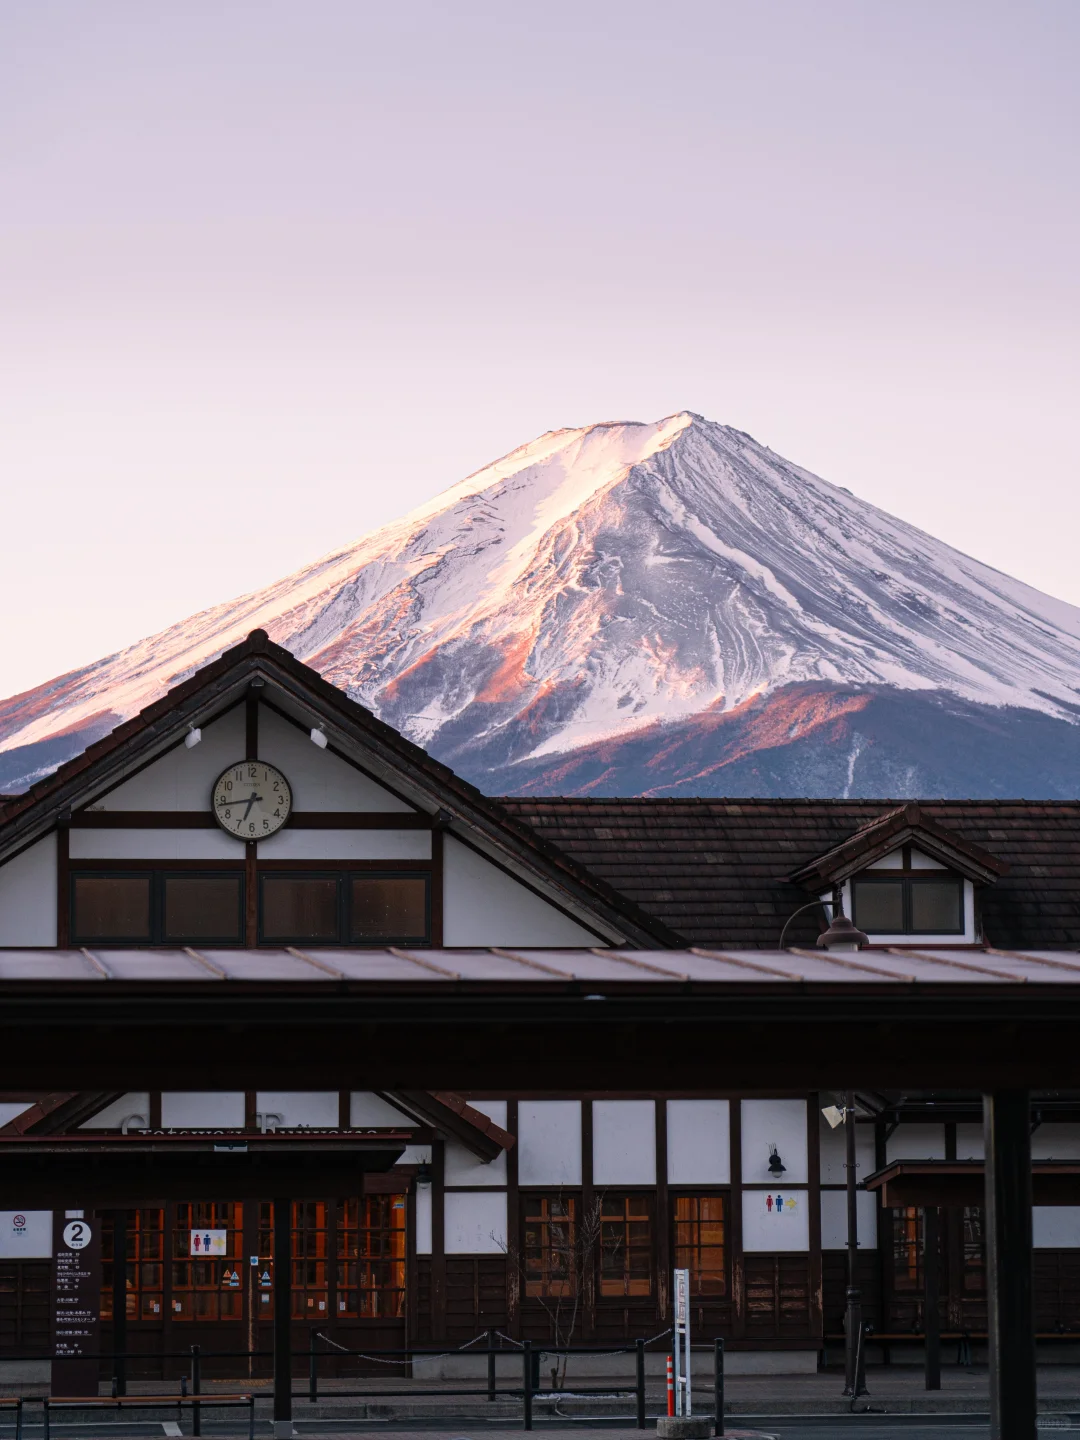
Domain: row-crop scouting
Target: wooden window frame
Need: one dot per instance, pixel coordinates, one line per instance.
(704, 1192)
(626, 1193)
(907, 880)
(343, 873)
(344, 876)
(158, 875)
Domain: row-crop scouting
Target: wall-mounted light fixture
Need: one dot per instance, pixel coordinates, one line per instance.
(776, 1165)
(834, 1115)
(193, 736)
(318, 737)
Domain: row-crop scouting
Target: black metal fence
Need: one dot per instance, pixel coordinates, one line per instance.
(526, 1392)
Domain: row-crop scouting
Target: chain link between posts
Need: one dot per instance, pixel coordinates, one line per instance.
(443, 1354)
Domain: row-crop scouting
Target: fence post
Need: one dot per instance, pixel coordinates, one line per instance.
(491, 1364)
(527, 1378)
(718, 1384)
(313, 1370)
(196, 1389)
(641, 1384)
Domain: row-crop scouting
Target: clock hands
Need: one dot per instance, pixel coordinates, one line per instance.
(253, 800)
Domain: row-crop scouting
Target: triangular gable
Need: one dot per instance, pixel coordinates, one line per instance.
(406, 775)
(907, 825)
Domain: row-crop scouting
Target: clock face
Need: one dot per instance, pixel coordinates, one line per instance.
(251, 800)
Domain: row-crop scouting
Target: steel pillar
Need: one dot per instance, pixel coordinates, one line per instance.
(1007, 1131)
(283, 1426)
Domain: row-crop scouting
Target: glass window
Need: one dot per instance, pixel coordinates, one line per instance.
(299, 907)
(145, 1280)
(203, 907)
(110, 907)
(208, 1287)
(699, 1242)
(550, 1245)
(879, 906)
(371, 1257)
(389, 907)
(907, 1248)
(936, 906)
(909, 906)
(974, 1251)
(626, 1245)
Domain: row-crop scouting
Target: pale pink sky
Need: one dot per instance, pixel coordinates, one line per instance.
(272, 273)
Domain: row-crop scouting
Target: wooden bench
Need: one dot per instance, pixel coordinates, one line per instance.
(13, 1402)
(147, 1402)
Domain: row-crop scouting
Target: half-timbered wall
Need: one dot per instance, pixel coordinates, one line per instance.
(475, 900)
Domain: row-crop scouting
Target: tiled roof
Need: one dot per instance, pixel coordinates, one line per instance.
(718, 872)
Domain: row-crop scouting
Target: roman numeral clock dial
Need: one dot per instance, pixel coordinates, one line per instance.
(251, 800)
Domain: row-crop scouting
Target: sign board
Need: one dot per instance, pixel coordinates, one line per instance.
(76, 1302)
(25, 1234)
(208, 1242)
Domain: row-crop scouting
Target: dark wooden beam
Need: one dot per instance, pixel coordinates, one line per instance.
(202, 819)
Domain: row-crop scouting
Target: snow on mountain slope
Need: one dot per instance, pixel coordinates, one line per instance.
(598, 581)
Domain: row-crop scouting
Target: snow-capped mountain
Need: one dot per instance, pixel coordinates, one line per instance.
(667, 607)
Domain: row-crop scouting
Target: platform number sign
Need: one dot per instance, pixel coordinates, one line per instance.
(77, 1301)
(77, 1234)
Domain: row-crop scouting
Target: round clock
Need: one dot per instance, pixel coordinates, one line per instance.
(251, 800)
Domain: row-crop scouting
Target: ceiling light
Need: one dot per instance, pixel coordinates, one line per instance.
(318, 737)
(193, 736)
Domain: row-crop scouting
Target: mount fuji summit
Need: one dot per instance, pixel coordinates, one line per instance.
(657, 609)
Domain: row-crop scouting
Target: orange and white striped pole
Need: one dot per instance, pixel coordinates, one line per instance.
(671, 1385)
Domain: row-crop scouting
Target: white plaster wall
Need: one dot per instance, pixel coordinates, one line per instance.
(769, 1230)
(766, 1123)
(969, 1142)
(10, 1108)
(202, 1110)
(483, 906)
(834, 1219)
(416, 1155)
(549, 1142)
(698, 1142)
(916, 1142)
(367, 1109)
(1056, 1142)
(624, 1142)
(347, 845)
(183, 779)
(475, 1222)
(1056, 1227)
(114, 1115)
(30, 1241)
(154, 845)
(318, 1108)
(28, 896)
(319, 780)
(423, 1219)
(833, 1150)
(465, 1168)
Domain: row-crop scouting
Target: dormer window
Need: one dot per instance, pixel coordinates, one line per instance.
(905, 879)
(918, 904)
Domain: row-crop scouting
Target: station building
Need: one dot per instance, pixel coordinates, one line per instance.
(257, 808)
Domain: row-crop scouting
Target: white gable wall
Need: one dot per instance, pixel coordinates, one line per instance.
(182, 779)
(484, 906)
(28, 896)
(319, 780)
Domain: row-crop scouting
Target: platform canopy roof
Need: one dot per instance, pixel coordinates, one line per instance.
(538, 1019)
